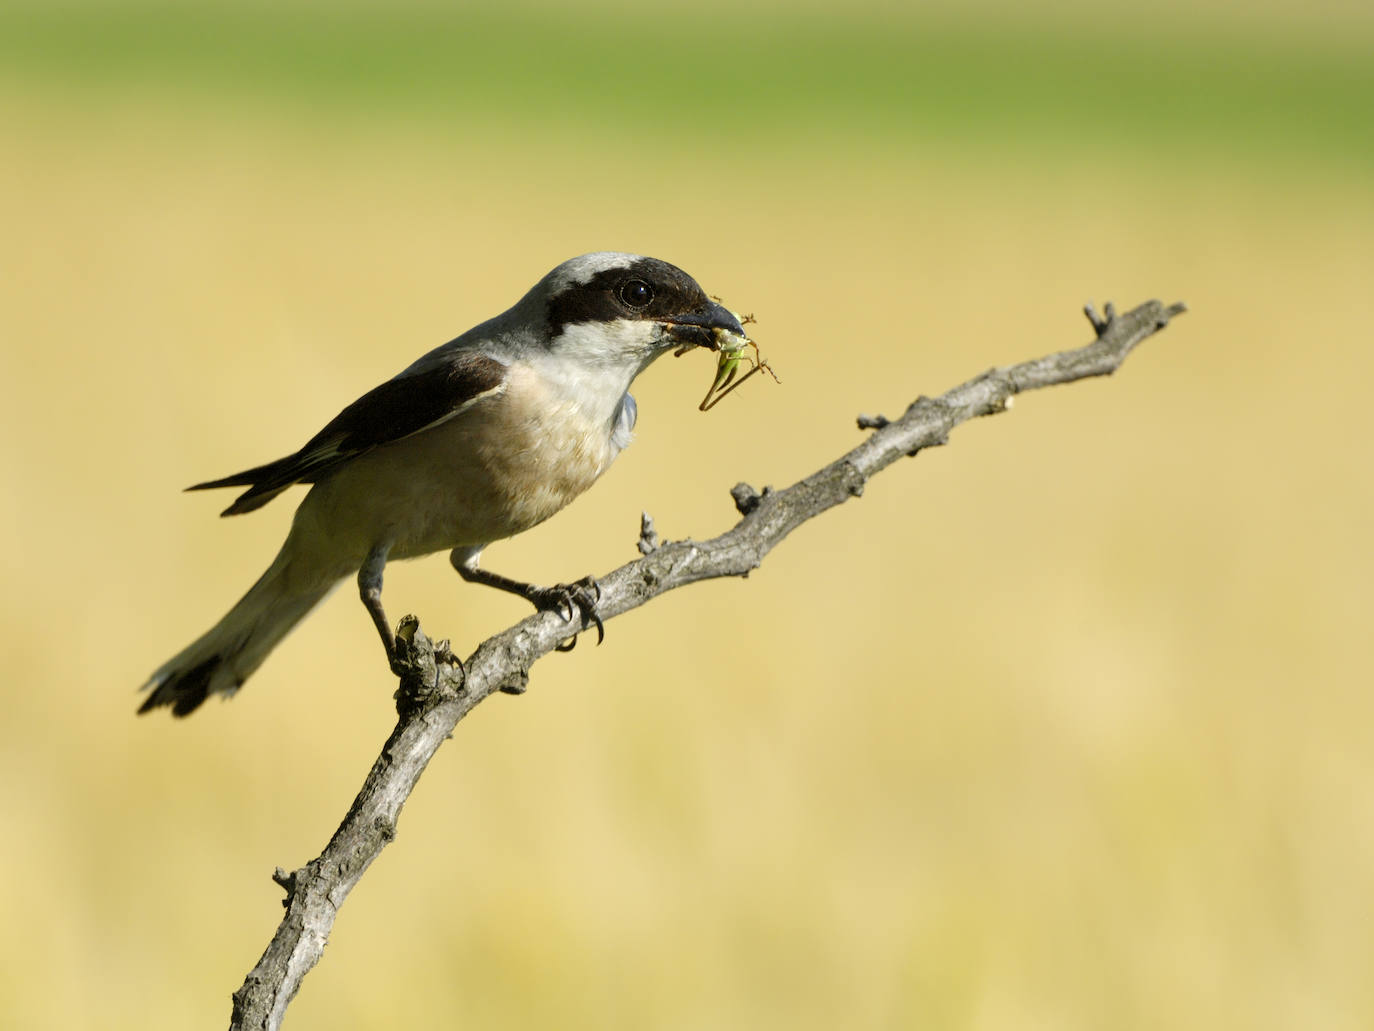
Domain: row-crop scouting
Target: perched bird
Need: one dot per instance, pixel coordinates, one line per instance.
(480, 439)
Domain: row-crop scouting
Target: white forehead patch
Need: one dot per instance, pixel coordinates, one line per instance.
(582, 268)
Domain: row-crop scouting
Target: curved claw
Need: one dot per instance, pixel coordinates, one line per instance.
(588, 608)
(568, 599)
(444, 653)
(565, 600)
(558, 598)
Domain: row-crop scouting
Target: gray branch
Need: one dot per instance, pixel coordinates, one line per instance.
(437, 691)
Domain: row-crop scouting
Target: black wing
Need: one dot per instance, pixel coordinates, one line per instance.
(396, 409)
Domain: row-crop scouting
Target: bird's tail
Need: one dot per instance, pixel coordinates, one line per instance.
(224, 657)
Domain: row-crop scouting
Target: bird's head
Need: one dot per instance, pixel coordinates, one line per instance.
(626, 310)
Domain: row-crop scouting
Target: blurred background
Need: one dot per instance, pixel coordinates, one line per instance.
(1066, 725)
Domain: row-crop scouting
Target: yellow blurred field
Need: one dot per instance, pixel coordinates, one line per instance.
(1066, 725)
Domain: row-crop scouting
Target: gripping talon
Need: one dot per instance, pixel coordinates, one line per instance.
(592, 586)
(585, 593)
(570, 600)
(444, 654)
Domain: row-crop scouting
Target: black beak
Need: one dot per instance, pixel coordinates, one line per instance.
(699, 327)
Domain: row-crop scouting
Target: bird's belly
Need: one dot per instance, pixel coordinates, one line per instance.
(485, 475)
(538, 466)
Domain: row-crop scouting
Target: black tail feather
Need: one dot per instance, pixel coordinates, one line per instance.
(184, 692)
(264, 482)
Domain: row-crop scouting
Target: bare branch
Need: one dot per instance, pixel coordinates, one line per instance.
(434, 693)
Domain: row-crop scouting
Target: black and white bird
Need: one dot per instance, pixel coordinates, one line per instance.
(480, 439)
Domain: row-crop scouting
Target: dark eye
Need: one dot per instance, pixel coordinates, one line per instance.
(635, 293)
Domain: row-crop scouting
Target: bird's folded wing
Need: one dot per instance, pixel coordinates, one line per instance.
(413, 401)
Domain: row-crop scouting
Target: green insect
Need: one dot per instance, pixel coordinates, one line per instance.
(732, 348)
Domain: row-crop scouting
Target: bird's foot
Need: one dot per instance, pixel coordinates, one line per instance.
(570, 600)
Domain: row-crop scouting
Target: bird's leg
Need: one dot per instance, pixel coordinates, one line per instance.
(565, 599)
(370, 590)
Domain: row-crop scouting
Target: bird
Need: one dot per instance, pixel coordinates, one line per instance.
(476, 441)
